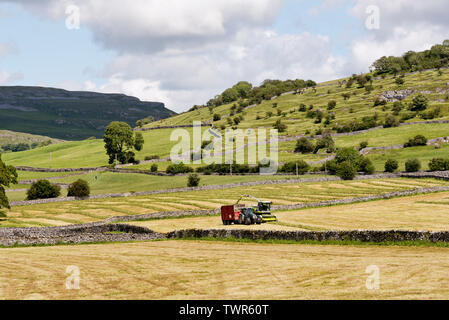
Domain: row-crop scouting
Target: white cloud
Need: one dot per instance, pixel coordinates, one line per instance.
(184, 52)
(404, 25)
(253, 55)
(7, 78)
(154, 25)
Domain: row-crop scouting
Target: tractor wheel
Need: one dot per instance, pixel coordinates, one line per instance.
(259, 220)
(225, 222)
(248, 221)
(241, 221)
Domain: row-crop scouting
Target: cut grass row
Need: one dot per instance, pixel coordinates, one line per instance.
(98, 210)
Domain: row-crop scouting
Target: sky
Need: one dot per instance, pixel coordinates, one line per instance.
(183, 53)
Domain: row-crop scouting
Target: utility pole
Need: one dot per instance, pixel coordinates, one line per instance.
(297, 171)
(231, 168)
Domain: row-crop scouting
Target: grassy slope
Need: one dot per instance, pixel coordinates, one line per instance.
(89, 153)
(361, 103)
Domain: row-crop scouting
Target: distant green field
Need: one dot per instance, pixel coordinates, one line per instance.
(89, 153)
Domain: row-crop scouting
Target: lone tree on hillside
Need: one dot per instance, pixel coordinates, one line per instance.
(120, 141)
(8, 176)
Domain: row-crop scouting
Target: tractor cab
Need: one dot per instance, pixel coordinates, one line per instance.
(263, 207)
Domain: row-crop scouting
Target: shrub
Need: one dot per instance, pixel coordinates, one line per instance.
(193, 180)
(391, 121)
(290, 167)
(331, 105)
(363, 145)
(154, 168)
(179, 168)
(43, 189)
(326, 142)
(280, 126)
(79, 189)
(419, 103)
(417, 141)
(412, 165)
(217, 117)
(400, 81)
(391, 165)
(397, 107)
(380, 102)
(303, 146)
(438, 164)
(330, 166)
(302, 108)
(346, 170)
(366, 166)
(348, 155)
(149, 158)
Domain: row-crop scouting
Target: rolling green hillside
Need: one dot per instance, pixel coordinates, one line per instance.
(70, 115)
(432, 84)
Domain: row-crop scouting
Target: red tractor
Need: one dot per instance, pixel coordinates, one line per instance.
(240, 214)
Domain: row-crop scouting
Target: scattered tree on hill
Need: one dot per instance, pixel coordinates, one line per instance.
(413, 165)
(438, 164)
(331, 105)
(8, 176)
(363, 145)
(217, 117)
(43, 189)
(417, 141)
(179, 168)
(346, 170)
(281, 127)
(436, 57)
(304, 146)
(391, 121)
(391, 165)
(301, 167)
(120, 141)
(419, 103)
(79, 189)
(193, 180)
(326, 142)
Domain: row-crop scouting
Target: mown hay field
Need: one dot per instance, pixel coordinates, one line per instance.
(206, 270)
(428, 212)
(281, 194)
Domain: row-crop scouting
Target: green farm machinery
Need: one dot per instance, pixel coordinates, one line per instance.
(240, 214)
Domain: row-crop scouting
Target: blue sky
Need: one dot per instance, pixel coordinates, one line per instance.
(186, 56)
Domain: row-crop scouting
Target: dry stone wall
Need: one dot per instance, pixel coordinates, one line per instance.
(362, 235)
(88, 233)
